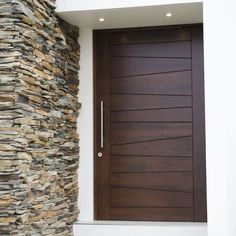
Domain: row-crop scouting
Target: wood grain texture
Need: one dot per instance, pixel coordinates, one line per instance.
(199, 152)
(139, 102)
(123, 133)
(152, 214)
(162, 115)
(128, 164)
(170, 147)
(153, 164)
(173, 83)
(126, 197)
(124, 67)
(168, 181)
(150, 36)
(103, 165)
(169, 49)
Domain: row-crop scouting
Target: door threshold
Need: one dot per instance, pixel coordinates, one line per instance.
(138, 223)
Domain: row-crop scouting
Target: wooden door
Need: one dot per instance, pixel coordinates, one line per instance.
(149, 124)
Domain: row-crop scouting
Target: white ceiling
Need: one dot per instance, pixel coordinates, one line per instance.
(187, 13)
(81, 5)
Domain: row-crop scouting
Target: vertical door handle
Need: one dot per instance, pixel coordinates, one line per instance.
(102, 124)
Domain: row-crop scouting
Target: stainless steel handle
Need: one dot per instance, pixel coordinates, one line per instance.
(102, 125)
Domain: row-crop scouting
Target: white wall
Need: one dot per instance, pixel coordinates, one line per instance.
(85, 127)
(220, 83)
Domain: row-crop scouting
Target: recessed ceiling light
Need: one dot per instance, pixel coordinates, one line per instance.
(101, 19)
(168, 14)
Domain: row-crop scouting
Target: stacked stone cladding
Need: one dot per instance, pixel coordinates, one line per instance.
(39, 64)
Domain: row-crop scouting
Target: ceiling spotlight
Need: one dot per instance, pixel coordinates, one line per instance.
(101, 19)
(168, 14)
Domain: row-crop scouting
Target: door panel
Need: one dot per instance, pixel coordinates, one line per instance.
(150, 36)
(152, 214)
(160, 115)
(149, 124)
(130, 102)
(169, 147)
(165, 49)
(126, 66)
(173, 83)
(128, 197)
(178, 181)
(128, 133)
(143, 164)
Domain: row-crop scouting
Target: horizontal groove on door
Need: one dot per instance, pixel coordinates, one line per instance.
(152, 214)
(124, 102)
(153, 122)
(149, 109)
(148, 74)
(150, 164)
(174, 83)
(160, 57)
(124, 197)
(180, 49)
(121, 67)
(163, 115)
(150, 140)
(147, 172)
(152, 189)
(165, 181)
(158, 94)
(174, 147)
(138, 155)
(126, 133)
(153, 36)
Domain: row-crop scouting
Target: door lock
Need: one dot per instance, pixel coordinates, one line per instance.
(100, 154)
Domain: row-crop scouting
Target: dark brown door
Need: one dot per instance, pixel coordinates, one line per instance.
(149, 124)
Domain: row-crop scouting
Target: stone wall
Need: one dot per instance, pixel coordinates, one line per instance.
(39, 58)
